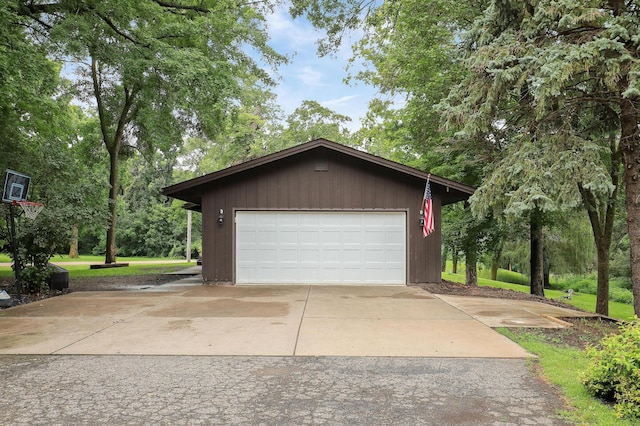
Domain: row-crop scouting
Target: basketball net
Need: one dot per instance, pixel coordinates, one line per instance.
(31, 210)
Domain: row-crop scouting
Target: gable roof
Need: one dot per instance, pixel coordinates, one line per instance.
(189, 190)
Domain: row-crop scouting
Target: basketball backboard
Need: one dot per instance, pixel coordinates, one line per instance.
(16, 187)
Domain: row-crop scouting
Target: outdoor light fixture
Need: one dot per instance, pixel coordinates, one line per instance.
(221, 217)
(421, 217)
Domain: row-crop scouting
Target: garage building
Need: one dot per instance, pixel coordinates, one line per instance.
(318, 213)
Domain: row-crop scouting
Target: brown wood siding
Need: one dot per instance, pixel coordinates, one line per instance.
(293, 183)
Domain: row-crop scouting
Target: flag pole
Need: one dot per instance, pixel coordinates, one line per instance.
(425, 187)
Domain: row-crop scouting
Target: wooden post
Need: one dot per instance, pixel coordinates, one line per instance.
(189, 214)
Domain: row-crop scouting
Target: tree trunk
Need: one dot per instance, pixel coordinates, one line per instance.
(454, 261)
(495, 261)
(112, 139)
(602, 220)
(110, 254)
(546, 268)
(494, 270)
(632, 204)
(537, 279)
(629, 146)
(471, 260)
(633, 214)
(602, 293)
(73, 244)
(443, 260)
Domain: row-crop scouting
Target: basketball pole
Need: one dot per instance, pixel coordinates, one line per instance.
(189, 213)
(14, 243)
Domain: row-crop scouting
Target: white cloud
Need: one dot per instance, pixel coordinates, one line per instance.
(339, 102)
(294, 34)
(310, 76)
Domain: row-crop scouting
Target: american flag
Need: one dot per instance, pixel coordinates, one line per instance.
(428, 226)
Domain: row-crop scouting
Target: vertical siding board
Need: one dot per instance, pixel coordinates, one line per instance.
(314, 189)
(221, 240)
(336, 184)
(357, 193)
(304, 201)
(347, 188)
(240, 191)
(272, 200)
(324, 187)
(293, 187)
(417, 245)
(250, 186)
(390, 195)
(282, 189)
(368, 193)
(262, 187)
(208, 244)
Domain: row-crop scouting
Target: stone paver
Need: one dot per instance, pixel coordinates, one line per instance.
(141, 390)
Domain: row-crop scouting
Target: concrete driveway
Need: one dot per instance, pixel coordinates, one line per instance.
(188, 318)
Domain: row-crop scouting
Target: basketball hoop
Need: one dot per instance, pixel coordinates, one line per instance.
(31, 210)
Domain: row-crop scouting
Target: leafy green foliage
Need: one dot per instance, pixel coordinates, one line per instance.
(39, 129)
(157, 231)
(312, 121)
(507, 277)
(155, 71)
(543, 88)
(151, 225)
(613, 373)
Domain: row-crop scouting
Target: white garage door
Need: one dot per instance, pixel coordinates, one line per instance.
(320, 247)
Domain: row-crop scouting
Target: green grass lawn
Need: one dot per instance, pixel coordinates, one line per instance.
(4, 258)
(583, 301)
(83, 271)
(562, 366)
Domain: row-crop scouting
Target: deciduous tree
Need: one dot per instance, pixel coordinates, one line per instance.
(155, 71)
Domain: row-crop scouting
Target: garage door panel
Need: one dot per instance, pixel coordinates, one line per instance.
(308, 236)
(374, 256)
(288, 256)
(321, 247)
(288, 236)
(374, 237)
(263, 256)
(309, 255)
(352, 256)
(330, 274)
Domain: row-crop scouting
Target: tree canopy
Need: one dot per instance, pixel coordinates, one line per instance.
(558, 75)
(155, 71)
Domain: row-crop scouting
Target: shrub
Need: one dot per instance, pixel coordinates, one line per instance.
(506, 276)
(621, 295)
(579, 283)
(512, 277)
(622, 282)
(613, 373)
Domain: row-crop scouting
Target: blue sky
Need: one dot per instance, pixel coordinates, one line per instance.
(308, 77)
